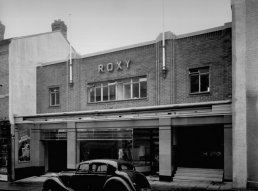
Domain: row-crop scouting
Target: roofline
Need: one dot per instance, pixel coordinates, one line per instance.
(76, 56)
(130, 109)
(33, 35)
(39, 34)
(118, 49)
(226, 25)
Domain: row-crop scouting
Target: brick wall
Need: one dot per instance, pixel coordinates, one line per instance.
(142, 62)
(213, 49)
(4, 79)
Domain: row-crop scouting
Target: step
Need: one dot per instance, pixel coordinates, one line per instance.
(198, 174)
(182, 169)
(194, 178)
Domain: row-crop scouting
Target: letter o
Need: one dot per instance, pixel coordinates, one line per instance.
(110, 67)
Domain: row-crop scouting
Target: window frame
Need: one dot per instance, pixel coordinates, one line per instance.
(199, 74)
(55, 96)
(119, 84)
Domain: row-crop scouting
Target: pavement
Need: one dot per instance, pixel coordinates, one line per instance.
(34, 183)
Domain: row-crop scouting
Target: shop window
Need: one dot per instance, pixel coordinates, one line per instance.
(132, 88)
(3, 155)
(199, 80)
(53, 134)
(139, 146)
(54, 96)
(24, 145)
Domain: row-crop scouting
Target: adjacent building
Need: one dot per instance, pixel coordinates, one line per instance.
(18, 60)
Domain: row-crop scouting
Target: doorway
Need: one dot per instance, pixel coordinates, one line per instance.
(200, 146)
(57, 156)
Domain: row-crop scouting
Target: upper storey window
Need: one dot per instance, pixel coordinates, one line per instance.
(125, 89)
(54, 96)
(199, 80)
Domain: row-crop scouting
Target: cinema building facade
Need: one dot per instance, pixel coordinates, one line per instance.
(127, 103)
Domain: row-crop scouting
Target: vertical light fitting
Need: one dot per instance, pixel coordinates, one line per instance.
(164, 70)
(70, 53)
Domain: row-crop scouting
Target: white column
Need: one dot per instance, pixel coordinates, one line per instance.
(165, 149)
(228, 152)
(239, 121)
(71, 145)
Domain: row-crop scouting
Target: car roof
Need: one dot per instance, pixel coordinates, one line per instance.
(112, 162)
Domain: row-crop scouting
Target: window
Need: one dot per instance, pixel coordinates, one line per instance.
(112, 91)
(127, 90)
(132, 88)
(143, 87)
(199, 80)
(84, 167)
(99, 168)
(54, 96)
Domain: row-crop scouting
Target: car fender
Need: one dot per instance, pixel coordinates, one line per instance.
(57, 181)
(121, 180)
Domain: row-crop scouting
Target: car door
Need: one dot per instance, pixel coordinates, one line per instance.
(81, 179)
(99, 176)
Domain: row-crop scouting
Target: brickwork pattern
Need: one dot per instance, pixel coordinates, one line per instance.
(212, 49)
(142, 62)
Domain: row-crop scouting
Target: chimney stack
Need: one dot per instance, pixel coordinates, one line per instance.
(59, 25)
(2, 30)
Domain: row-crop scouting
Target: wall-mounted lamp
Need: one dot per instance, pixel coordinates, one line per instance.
(164, 72)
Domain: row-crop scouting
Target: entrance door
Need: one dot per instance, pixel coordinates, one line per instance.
(57, 156)
(200, 147)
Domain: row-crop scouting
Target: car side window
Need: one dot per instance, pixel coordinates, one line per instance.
(99, 167)
(84, 167)
(102, 168)
(94, 167)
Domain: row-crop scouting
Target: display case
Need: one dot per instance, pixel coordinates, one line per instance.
(4, 156)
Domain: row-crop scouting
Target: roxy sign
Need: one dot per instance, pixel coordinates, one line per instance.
(110, 67)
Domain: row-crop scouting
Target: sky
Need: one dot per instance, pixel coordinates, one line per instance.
(97, 25)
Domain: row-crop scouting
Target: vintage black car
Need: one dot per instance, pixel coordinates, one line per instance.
(101, 174)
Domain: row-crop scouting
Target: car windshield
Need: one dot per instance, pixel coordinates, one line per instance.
(126, 167)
